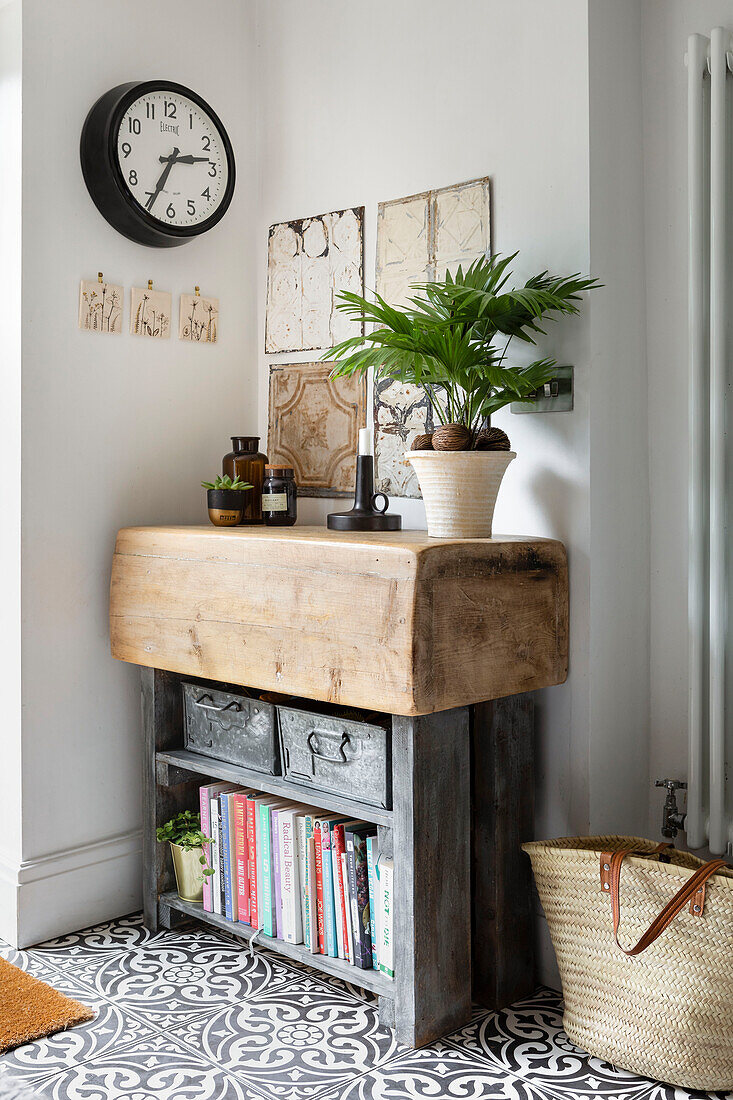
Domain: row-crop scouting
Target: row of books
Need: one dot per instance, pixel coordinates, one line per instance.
(299, 874)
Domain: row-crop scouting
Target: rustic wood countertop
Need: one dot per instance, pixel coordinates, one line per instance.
(392, 621)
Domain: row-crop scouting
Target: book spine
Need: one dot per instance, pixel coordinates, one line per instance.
(226, 852)
(338, 836)
(232, 857)
(328, 903)
(220, 853)
(312, 903)
(371, 852)
(290, 876)
(337, 901)
(276, 875)
(386, 945)
(320, 915)
(362, 900)
(252, 863)
(204, 810)
(239, 803)
(355, 893)
(304, 835)
(347, 908)
(215, 884)
(266, 905)
(258, 846)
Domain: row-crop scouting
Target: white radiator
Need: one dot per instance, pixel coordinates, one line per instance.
(709, 809)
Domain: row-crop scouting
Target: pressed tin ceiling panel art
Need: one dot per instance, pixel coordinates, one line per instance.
(314, 426)
(308, 262)
(418, 239)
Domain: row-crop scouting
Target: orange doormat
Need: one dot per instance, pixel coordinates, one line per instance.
(30, 1009)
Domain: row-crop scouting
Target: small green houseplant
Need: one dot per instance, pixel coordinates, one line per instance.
(224, 500)
(187, 845)
(453, 340)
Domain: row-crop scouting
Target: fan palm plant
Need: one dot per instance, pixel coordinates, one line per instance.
(454, 337)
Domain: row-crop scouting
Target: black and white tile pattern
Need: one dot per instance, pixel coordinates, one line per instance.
(193, 1015)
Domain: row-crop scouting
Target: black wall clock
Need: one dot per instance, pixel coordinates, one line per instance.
(157, 162)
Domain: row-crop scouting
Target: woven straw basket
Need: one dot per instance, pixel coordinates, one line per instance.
(660, 1002)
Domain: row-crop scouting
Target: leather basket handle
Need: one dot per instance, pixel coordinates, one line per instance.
(693, 891)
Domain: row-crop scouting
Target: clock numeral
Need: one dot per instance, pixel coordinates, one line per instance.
(205, 195)
(170, 110)
(150, 109)
(206, 142)
(134, 125)
(212, 169)
(132, 178)
(191, 207)
(190, 120)
(171, 210)
(126, 149)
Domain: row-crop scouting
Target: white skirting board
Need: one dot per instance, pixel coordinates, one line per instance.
(68, 890)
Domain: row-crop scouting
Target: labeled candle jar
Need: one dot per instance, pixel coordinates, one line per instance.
(279, 497)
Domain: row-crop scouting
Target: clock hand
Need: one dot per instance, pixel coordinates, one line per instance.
(185, 160)
(169, 162)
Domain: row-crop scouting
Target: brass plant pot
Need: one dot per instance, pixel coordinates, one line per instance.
(226, 506)
(189, 872)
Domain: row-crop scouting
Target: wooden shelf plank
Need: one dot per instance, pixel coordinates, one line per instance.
(272, 784)
(366, 979)
(396, 620)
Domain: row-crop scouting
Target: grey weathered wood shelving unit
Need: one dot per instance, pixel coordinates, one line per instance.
(428, 631)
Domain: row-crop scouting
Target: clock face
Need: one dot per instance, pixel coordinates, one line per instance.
(172, 158)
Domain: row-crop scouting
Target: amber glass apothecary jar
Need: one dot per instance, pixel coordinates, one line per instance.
(247, 462)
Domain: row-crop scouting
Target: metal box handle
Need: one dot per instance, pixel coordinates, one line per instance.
(312, 743)
(234, 705)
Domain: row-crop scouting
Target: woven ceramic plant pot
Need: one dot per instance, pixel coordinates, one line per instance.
(189, 872)
(460, 490)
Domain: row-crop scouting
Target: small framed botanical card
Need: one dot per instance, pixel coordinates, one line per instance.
(100, 306)
(150, 312)
(198, 319)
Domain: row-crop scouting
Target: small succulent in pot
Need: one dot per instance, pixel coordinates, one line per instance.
(224, 500)
(187, 844)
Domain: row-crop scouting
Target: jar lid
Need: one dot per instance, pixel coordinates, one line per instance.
(245, 442)
(281, 471)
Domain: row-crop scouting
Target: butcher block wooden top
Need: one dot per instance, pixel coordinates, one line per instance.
(393, 621)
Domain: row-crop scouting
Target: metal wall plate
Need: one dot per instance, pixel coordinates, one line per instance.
(555, 396)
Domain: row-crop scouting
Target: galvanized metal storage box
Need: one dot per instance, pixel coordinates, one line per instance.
(336, 755)
(231, 727)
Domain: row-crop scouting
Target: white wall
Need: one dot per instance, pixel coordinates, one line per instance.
(10, 276)
(116, 429)
(619, 498)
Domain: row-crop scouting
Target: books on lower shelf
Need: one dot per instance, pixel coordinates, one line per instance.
(299, 874)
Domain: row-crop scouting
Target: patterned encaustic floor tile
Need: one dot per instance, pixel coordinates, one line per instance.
(189, 1014)
(440, 1072)
(527, 1041)
(294, 1042)
(180, 976)
(111, 1029)
(100, 942)
(155, 1069)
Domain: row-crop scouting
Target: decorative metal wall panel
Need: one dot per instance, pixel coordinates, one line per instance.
(418, 239)
(308, 262)
(314, 426)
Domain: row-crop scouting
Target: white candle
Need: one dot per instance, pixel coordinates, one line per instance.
(365, 441)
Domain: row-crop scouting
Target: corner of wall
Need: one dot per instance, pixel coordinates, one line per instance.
(620, 524)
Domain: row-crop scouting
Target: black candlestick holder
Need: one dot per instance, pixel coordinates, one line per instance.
(365, 516)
